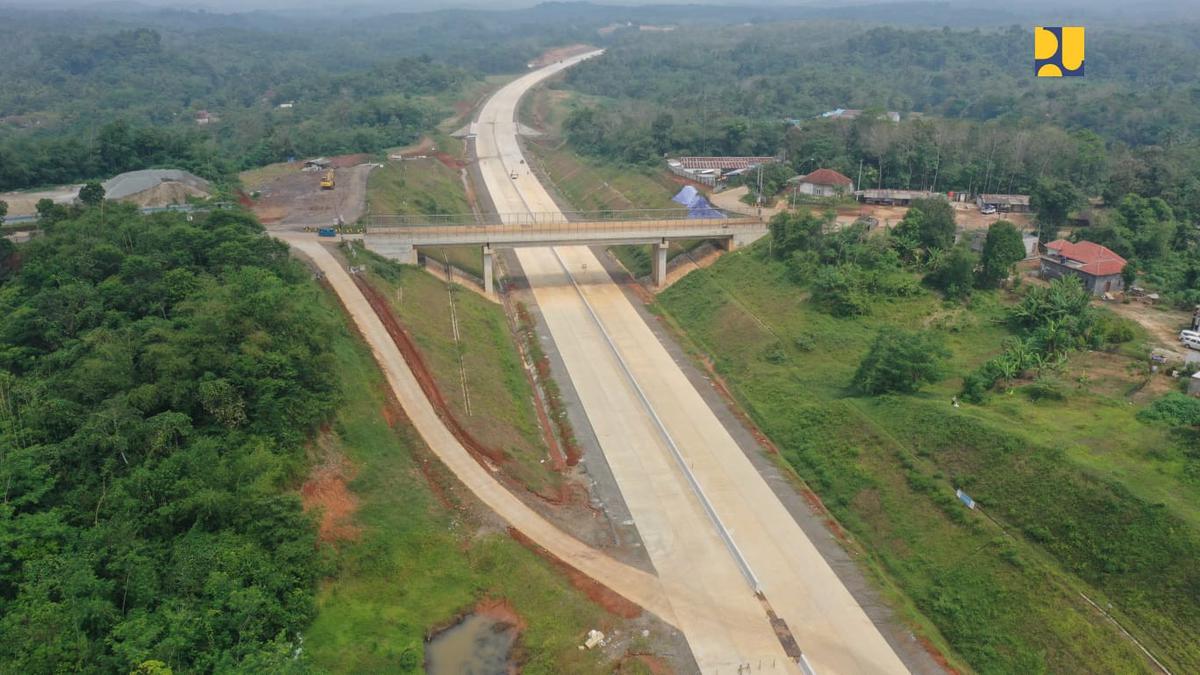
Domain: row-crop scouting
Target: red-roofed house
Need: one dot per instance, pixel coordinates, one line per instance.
(1096, 266)
(823, 183)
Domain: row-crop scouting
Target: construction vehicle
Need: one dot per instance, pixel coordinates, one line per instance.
(327, 182)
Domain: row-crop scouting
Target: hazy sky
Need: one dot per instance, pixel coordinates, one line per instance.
(1156, 11)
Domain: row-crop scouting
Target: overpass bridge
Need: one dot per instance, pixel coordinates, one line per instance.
(397, 237)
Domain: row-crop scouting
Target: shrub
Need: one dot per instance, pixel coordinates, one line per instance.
(1175, 409)
(900, 361)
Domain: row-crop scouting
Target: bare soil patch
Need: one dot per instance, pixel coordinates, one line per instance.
(1162, 324)
(295, 197)
(326, 492)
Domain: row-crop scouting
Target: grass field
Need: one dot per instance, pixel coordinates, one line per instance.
(418, 562)
(1077, 495)
(417, 186)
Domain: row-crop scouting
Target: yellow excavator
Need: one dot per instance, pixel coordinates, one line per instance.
(327, 182)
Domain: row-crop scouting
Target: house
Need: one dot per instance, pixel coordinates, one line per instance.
(287, 105)
(822, 183)
(1004, 203)
(204, 117)
(712, 170)
(318, 164)
(894, 197)
(1096, 266)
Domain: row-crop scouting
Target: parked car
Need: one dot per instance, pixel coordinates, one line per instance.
(987, 209)
(1191, 341)
(1185, 334)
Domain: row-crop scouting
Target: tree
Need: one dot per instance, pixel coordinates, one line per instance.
(954, 274)
(1053, 199)
(841, 290)
(91, 194)
(930, 222)
(3, 210)
(900, 361)
(796, 231)
(48, 211)
(1002, 249)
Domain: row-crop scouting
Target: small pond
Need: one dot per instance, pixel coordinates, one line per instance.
(477, 645)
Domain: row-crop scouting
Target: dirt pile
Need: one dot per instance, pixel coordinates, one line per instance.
(166, 194)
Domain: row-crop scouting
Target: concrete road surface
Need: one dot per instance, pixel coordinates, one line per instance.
(654, 429)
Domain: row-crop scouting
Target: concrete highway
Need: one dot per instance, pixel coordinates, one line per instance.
(654, 429)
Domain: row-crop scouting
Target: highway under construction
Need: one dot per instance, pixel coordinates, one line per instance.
(732, 568)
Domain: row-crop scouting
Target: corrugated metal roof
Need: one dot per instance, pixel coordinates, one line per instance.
(724, 163)
(1010, 200)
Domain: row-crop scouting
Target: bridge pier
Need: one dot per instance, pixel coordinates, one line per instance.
(659, 264)
(488, 261)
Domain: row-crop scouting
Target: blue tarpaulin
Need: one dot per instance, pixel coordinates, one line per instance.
(697, 205)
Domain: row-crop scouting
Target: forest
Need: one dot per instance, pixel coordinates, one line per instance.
(972, 119)
(158, 381)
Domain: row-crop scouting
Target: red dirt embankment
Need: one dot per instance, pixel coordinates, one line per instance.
(594, 590)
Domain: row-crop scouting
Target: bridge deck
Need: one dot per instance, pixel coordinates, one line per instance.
(584, 232)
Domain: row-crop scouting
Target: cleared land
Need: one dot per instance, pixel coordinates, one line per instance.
(1077, 495)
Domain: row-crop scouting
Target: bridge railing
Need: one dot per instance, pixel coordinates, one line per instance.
(569, 231)
(389, 221)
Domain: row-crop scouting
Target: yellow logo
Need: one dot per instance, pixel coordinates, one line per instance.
(1058, 51)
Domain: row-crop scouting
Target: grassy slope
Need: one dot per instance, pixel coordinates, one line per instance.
(502, 414)
(416, 186)
(1052, 474)
(419, 563)
(423, 186)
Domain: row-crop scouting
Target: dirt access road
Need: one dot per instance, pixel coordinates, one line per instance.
(711, 525)
(966, 216)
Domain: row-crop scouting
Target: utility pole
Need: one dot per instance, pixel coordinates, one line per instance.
(760, 194)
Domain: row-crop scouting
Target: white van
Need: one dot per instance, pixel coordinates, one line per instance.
(1184, 334)
(1191, 341)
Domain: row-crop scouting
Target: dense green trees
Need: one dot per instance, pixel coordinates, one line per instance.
(91, 194)
(157, 381)
(1053, 200)
(953, 272)
(90, 106)
(900, 361)
(929, 223)
(1002, 248)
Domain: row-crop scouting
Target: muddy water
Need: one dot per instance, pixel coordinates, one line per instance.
(478, 645)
